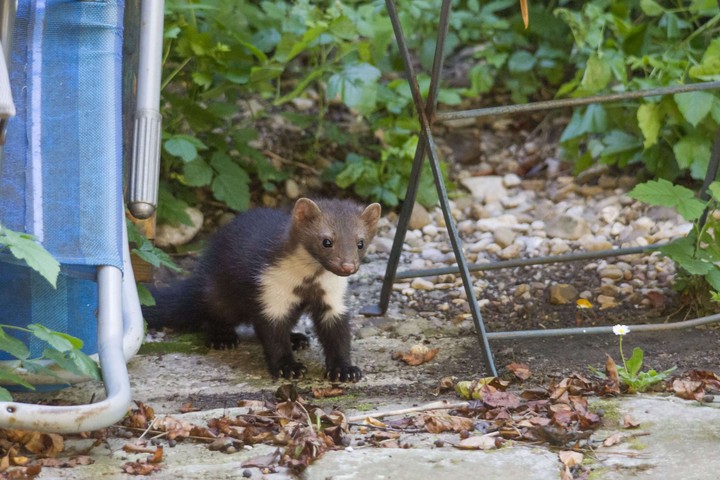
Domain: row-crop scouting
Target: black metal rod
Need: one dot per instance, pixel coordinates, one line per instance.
(526, 262)
(416, 171)
(424, 113)
(573, 102)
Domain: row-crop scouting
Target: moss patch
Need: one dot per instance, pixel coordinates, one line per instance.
(185, 343)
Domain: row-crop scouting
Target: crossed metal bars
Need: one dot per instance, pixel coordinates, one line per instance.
(427, 115)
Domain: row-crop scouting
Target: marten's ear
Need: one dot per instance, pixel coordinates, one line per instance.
(371, 215)
(305, 210)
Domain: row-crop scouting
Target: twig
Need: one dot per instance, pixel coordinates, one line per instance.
(388, 429)
(280, 159)
(441, 405)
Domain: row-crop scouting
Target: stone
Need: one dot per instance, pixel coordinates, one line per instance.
(181, 234)
(606, 302)
(511, 180)
(292, 189)
(419, 217)
(568, 227)
(612, 272)
(562, 294)
(489, 188)
(510, 252)
(383, 244)
(558, 246)
(430, 230)
(609, 214)
(422, 284)
(504, 236)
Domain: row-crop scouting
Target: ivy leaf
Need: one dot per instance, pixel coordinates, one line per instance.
(693, 152)
(648, 116)
(13, 346)
(61, 342)
(24, 247)
(231, 185)
(694, 105)
(661, 192)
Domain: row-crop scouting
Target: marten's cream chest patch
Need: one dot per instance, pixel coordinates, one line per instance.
(282, 284)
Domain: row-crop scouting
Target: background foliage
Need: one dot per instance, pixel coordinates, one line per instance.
(220, 55)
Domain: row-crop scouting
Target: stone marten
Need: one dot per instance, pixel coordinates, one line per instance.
(266, 268)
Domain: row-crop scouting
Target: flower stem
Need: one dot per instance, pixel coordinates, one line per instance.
(622, 356)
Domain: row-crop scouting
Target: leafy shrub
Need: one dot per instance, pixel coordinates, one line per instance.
(624, 46)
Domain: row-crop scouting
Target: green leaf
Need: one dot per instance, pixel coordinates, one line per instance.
(634, 363)
(231, 185)
(155, 257)
(197, 173)
(24, 247)
(693, 151)
(13, 346)
(356, 85)
(649, 116)
(714, 189)
(61, 342)
(5, 395)
(694, 105)
(171, 210)
(74, 361)
(713, 278)
(145, 297)
(184, 146)
(661, 192)
(597, 75)
(682, 252)
(8, 375)
(651, 8)
(521, 61)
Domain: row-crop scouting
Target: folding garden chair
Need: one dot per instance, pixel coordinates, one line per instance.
(427, 115)
(61, 176)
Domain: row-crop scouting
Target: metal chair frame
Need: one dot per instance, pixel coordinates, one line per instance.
(427, 115)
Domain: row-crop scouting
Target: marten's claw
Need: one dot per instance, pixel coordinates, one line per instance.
(290, 370)
(344, 373)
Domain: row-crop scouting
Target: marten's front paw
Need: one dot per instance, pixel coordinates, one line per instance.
(289, 369)
(343, 373)
(299, 341)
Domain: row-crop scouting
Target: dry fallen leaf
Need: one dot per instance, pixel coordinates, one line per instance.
(328, 392)
(489, 441)
(629, 422)
(447, 423)
(188, 407)
(417, 355)
(688, 389)
(570, 458)
(140, 468)
(614, 439)
(46, 444)
(520, 370)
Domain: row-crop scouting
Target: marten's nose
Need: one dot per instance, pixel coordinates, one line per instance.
(348, 268)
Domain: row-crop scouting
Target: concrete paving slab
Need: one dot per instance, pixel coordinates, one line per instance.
(438, 464)
(683, 441)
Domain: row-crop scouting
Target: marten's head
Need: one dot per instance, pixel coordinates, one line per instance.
(335, 232)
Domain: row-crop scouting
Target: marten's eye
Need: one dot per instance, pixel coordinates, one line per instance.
(360, 244)
(327, 243)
